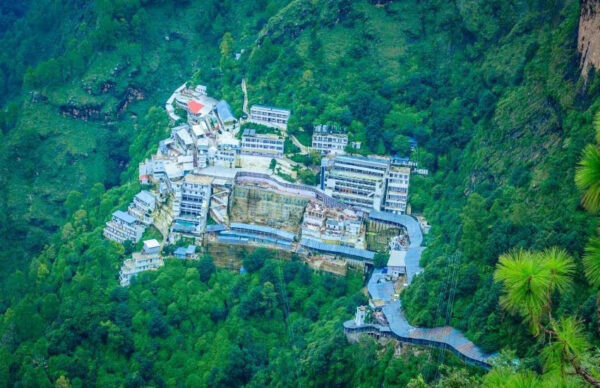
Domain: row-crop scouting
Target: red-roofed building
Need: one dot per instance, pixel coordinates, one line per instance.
(195, 110)
(194, 107)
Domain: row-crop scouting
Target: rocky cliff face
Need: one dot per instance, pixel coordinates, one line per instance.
(259, 206)
(588, 39)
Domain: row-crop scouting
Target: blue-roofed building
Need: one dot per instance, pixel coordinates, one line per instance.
(403, 161)
(413, 143)
(142, 206)
(122, 227)
(241, 233)
(185, 253)
(359, 255)
(262, 230)
(180, 253)
(225, 113)
(215, 228)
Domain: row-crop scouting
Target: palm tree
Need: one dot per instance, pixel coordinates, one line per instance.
(529, 279)
(591, 265)
(587, 178)
(570, 345)
(560, 267)
(587, 174)
(526, 285)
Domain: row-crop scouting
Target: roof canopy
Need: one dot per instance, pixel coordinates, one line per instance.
(194, 106)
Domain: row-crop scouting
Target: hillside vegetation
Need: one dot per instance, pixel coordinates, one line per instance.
(492, 93)
(489, 89)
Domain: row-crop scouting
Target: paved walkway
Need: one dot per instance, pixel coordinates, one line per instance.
(169, 104)
(245, 91)
(380, 286)
(303, 149)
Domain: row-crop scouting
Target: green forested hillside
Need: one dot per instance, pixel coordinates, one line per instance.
(492, 92)
(489, 89)
(82, 102)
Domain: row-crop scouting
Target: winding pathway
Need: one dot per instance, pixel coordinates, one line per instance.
(245, 91)
(398, 327)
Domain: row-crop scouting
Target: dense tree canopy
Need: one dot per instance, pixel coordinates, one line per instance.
(486, 95)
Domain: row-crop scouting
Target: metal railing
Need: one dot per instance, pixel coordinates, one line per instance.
(374, 330)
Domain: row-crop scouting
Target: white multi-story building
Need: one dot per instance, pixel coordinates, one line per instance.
(191, 203)
(262, 144)
(225, 158)
(332, 226)
(147, 260)
(366, 182)
(183, 138)
(326, 139)
(142, 206)
(356, 181)
(269, 116)
(397, 263)
(396, 193)
(122, 227)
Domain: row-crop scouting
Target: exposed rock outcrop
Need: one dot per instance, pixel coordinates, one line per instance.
(588, 38)
(259, 206)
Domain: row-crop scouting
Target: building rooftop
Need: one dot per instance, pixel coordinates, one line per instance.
(173, 171)
(397, 259)
(363, 159)
(194, 106)
(252, 132)
(323, 129)
(185, 159)
(124, 216)
(224, 111)
(179, 128)
(226, 138)
(404, 170)
(270, 108)
(338, 249)
(200, 179)
(263, 229)
(198, 130)
(185, 136)
(221, 182)
(145, 196)
(149, 244)
(215, 228)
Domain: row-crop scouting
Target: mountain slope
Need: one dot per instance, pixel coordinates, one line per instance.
(489, 89)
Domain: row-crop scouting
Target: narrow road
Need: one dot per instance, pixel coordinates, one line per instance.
(303, 148)
(380, 287)
(245, 91)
